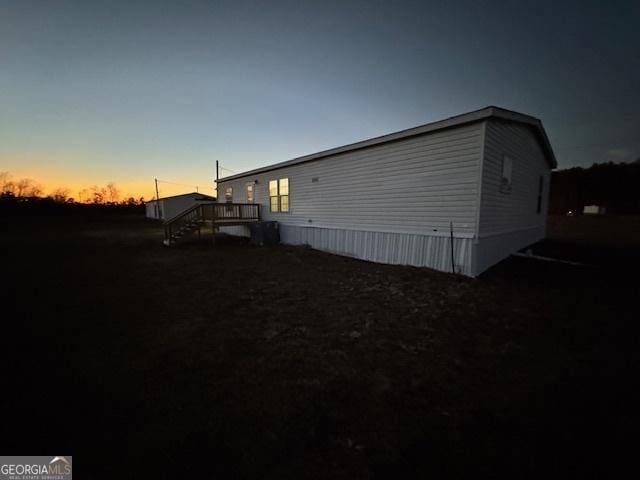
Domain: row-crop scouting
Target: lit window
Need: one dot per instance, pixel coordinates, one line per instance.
(228, 194)
(284, 186)
(249, 192)
(284, 194)
(279, 195)
(273, 195)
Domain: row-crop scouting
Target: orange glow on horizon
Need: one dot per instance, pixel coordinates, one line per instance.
(80, 188)
(52, 171)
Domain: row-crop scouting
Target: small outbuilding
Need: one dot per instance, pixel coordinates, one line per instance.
(459, 194)
(594, 210)
(169, 207)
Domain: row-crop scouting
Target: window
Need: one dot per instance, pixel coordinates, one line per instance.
(507, 171)
(284, 194)
(249, 192)
(540, 190)
(273, 195)
(279, 195)
(228, 194)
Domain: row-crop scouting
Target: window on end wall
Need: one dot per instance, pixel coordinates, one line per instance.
(249, 192)
(228, 194)
(540, 190)
(279, 195)
(507, 171)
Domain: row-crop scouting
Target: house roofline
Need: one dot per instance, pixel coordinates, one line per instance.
(455, 121)
(208, 197)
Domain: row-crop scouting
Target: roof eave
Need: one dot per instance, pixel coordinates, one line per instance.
(455, 121)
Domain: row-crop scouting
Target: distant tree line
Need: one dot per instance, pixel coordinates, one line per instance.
(615, 186)
(29, 190)
(25, 198)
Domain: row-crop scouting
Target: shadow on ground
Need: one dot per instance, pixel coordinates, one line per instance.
(252, 362)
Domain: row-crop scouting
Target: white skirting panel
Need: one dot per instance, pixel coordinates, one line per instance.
(408, 249)
(494, 248)
(394, 248)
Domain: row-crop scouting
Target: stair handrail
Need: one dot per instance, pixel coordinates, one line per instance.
(182, 214)
(169, 224)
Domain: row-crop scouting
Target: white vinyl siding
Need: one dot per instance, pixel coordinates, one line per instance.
(517, 210)
(392, 199)
(415, 185)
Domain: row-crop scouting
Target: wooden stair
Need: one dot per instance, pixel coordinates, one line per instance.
(217, 214)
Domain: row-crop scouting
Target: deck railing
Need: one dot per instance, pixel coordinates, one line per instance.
(232, 211)
(217, 213)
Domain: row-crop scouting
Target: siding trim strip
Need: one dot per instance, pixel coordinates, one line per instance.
(483, 139)
(443, 233)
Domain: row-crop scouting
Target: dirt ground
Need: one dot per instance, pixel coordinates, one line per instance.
(239, 361)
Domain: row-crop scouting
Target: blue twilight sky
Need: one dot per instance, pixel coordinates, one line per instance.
(125, 91)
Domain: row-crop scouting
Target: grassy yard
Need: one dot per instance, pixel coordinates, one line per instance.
(283, 362)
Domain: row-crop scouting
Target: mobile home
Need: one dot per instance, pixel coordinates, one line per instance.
(459, 194)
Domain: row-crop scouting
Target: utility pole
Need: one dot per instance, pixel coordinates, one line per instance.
(158, 211)
(217, 177)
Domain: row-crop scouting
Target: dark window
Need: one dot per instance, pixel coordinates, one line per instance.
(540, 190)
(506, 174)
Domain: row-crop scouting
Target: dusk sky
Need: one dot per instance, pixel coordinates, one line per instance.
(92, 92)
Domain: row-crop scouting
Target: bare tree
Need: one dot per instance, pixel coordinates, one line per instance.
(7, 186)
(99, 194)
(35, 189)
(84, 195)
(60, 195)
(112, 192)
(27, 187)
(21, 187)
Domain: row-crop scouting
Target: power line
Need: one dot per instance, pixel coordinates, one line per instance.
(197, 187)
(179, 184)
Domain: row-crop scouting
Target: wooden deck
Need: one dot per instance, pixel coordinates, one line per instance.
(215, 214)
(232, 213)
